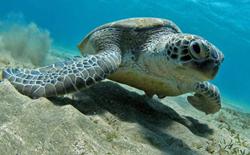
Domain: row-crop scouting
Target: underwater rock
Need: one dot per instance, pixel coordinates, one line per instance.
(109, 118)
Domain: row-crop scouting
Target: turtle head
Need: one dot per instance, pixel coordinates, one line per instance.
(195, 53)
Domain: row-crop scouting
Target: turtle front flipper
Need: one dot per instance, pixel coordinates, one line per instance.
(206, 98)
(64, 77)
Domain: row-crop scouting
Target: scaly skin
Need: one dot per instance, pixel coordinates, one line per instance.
(207, 97)
(63, 77)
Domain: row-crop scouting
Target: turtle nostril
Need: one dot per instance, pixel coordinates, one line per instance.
(214, 55)
(217, 57)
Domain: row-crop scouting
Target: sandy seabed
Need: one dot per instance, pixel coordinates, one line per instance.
(111, 118)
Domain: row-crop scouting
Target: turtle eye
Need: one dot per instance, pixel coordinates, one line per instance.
(197, 51)
(196, 48)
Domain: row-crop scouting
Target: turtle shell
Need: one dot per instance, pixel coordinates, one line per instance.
(135, 24)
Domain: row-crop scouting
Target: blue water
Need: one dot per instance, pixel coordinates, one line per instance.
(226, 23)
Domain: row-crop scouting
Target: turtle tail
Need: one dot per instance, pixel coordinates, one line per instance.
(63, 77)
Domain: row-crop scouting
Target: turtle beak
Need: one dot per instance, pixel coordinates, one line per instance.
(214, 71)
(212, 65)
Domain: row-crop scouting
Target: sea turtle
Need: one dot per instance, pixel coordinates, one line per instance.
(151, 54)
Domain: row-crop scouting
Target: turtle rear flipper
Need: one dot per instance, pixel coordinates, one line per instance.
(64, 77)
(206, 99)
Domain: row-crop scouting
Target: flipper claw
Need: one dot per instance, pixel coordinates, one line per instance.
(206, 98)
